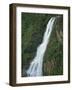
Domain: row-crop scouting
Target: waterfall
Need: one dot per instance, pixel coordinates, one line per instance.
(35, 68)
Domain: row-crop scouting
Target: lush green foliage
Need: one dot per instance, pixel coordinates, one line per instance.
(33, 28)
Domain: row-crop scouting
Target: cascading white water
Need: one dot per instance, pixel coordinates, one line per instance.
(35, 68)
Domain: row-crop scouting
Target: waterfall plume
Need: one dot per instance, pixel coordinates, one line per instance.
(35, 68)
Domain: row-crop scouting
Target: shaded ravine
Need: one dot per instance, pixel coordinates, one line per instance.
(35, 68)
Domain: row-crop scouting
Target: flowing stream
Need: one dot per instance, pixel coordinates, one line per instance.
(35, 68)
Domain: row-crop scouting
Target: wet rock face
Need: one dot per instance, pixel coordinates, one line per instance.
(53, 59)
